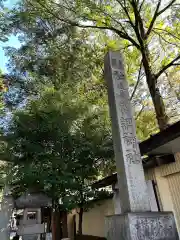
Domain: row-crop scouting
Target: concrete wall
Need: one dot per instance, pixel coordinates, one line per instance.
(96, 226)
(93, 220)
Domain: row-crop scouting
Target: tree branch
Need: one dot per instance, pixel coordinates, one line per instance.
(126, 12)
(138, 80)
(164, 9)
(167, 33)
(106, 14)
(114, 19)
(167, 66)
(157, 14)
(165, 40)
(139, 27)
(139, 113)
(172, 88)
(153, 19)
(72, 23)
(141, 5)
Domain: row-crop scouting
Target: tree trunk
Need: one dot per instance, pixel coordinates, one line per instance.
(159, 106)
(80, 221)
(157, 100)
(53, 228)
(64, 224)
(56, 225)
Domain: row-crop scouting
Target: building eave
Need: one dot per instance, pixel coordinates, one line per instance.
(159, 147)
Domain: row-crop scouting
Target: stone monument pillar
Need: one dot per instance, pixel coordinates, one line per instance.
(136, 221)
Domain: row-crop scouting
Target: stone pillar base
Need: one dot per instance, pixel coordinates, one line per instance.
(141, 226)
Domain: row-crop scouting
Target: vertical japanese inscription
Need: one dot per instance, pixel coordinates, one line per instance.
(126, 122)
(128, 158)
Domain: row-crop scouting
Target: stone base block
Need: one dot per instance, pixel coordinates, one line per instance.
(141, 226)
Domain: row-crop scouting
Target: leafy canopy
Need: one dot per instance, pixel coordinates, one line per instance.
(56, 143)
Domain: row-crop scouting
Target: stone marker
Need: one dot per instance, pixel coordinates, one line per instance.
(136, 221)
(128, 159)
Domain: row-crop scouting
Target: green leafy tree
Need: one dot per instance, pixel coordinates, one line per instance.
(55, 51)
(4, 23)
(140, 24)
(51, 146)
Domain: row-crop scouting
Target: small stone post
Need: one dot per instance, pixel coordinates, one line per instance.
(136, 221)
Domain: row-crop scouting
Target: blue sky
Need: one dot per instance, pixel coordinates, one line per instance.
(13, 41)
